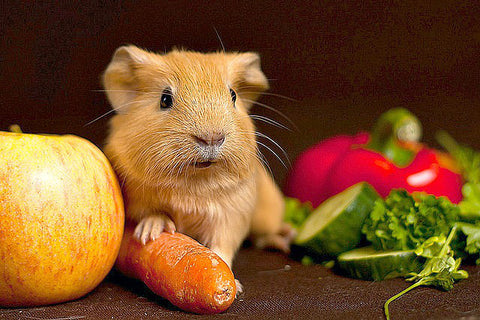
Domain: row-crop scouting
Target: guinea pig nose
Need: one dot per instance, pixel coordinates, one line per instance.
(211, 139)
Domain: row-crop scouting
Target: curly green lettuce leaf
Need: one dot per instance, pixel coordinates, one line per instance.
(402, 222)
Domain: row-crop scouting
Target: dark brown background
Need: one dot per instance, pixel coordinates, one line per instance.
(344, 63)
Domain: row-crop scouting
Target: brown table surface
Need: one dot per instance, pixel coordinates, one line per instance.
(276, 287)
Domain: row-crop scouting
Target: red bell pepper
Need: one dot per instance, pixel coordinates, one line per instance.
(391, 157)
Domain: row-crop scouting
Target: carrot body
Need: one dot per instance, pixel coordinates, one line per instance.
(179, 269)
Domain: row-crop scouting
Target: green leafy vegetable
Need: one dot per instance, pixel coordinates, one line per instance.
(470, 205)
(422, 223)
(472, 242)
(469, 162)
(440, 268)
(467, 158)
(296, 212)
(403, 222)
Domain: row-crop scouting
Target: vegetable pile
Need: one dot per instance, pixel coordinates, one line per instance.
(413, 233)
(391, 156)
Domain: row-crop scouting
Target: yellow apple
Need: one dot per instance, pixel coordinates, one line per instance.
(61, 218)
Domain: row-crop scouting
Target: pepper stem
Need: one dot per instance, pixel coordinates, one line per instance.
(15, 128)
(394, 131)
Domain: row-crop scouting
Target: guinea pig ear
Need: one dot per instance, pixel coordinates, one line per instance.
(247, 76)
(119, 78)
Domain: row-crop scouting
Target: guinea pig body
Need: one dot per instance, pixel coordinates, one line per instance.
(184, 147)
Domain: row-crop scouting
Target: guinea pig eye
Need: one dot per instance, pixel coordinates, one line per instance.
(166, 100)
(234, 95)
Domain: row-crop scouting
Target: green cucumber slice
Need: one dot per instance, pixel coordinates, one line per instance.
(368, 264)
(335, 226)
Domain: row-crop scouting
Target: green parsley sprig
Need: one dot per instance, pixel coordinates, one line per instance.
(428, 225)
(440, 269)
(404, 222)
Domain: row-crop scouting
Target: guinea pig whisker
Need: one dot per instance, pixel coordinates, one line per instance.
(263, 160)
(115, 90)
(146, 90)
(175, 156)
(153, 147)
(99, 117)
(152, 91)
(190, 164)
(274, 110)
(259, 134)
(171, 156)
(219, 39)
(158, 150)
(114, 110)
(273, 95)
(241, 159)
(183, 162)
(274, 153)
(269, 121)
(179, 164)
(262, 135)
(183, 169)
(139, 101)
(178, 171)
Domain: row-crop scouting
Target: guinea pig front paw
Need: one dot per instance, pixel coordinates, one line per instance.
(150, 228)
(239, 287)
(279, 241)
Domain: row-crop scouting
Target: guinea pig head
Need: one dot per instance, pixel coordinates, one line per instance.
(182, 115)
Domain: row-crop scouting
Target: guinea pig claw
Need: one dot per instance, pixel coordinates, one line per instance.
(150, 228)
(170, 226)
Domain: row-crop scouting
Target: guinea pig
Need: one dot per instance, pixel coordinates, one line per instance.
(184, 148)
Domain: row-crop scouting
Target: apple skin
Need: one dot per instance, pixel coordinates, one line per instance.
(61, 218)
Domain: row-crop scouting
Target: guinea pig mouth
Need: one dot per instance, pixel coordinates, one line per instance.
(204, 164)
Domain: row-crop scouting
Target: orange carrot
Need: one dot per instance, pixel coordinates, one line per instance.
(179, 269)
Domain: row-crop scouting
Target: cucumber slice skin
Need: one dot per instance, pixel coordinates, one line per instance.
(343, 233)
(380, 266)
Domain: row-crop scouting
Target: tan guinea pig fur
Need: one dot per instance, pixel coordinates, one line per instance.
(184, 147)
